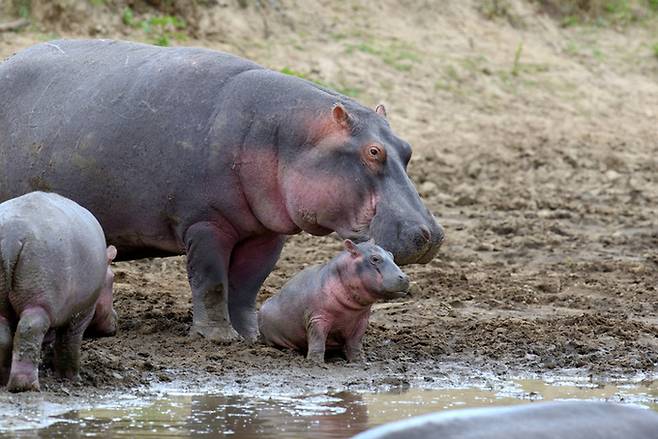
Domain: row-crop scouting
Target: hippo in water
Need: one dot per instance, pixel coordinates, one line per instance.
(197, 152)
(54, 274)
(549, 420)
(328, 306)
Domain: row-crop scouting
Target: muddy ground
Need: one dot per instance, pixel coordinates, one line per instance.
(535, 144)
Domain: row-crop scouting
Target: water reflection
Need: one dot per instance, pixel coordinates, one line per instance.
(336, 415)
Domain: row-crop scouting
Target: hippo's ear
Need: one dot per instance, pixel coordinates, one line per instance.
(351, 247)
(111, 253)
(341, 116)
(381, 110)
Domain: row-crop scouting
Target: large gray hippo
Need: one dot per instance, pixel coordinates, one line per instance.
(197, 152)
(550, 420)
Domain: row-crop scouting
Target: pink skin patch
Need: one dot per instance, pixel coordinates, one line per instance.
(321, 204)
(24, 370)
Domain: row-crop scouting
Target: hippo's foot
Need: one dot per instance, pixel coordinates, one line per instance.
(222, 334)
(246, 323)
(24, 382)
(68, 374)
(315, 358)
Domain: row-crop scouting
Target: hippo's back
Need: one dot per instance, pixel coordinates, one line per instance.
(553, 420)
(48, 239)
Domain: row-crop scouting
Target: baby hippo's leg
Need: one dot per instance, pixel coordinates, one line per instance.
(5, 350)
(32, 326)
(316, 334)
(353, 348)
(67, 346)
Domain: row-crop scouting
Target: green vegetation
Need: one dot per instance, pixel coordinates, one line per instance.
(655, 50)
(160, 29)
(340, 88)
(23, 8)
(399, 55)
(516, 66)
(163, 28)
(128, 17)
(600, 12)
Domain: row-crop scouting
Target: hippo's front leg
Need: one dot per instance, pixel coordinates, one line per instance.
(317, 331)
(208, 250)
(251, 263)
(67, 346)
(353, 348)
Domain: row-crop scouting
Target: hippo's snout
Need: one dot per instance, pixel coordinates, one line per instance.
(411, 241)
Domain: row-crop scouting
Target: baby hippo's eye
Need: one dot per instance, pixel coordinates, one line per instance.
(375, 259)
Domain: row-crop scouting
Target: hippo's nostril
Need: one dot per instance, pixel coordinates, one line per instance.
(425, 233)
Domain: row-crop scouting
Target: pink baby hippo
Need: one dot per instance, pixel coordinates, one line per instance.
(326, 307)
(54, 275)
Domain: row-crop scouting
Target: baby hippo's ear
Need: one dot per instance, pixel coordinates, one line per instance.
(351, 247)
(111, 253)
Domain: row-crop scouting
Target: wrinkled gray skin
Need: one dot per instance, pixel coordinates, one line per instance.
(552, 420)
(197, 152)
(326, 307)
(54, 275)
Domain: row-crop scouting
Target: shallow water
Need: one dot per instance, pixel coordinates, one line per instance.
(336, 415)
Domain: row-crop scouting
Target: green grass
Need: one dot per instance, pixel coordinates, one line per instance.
(601, 12)
(516, 66)
(160, 29)
(401, 56)
(340, 88)
(655, 50)
(128, 17)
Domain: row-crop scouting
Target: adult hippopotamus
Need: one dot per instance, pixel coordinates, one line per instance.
(54, 275)
(198, 152)
(549, 420)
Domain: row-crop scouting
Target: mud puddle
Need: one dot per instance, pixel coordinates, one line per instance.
(169, 412)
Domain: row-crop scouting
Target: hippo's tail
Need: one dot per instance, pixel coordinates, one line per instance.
(10, 251)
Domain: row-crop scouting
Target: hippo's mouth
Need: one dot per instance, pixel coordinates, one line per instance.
(360, 228)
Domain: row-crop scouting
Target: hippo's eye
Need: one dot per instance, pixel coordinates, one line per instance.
(375, 259)
(374, 151)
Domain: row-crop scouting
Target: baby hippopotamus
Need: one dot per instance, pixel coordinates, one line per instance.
(326, 307)
(54, 274)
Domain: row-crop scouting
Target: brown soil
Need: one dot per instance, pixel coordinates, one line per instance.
(544, 172)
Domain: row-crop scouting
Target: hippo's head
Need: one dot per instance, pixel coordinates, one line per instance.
(104, 322)
(352, 179)
(377, 271)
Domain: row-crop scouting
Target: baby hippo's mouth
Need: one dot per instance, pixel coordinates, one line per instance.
(397, 287)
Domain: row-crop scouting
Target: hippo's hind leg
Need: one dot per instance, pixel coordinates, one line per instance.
(251, 263)
(6, 339)
(32, 326)
(67, 346)
(208, 250)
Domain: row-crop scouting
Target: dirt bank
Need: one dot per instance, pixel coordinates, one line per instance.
(536, 145)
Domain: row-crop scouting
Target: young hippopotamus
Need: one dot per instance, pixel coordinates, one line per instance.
(327, 306)
(54, 274)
